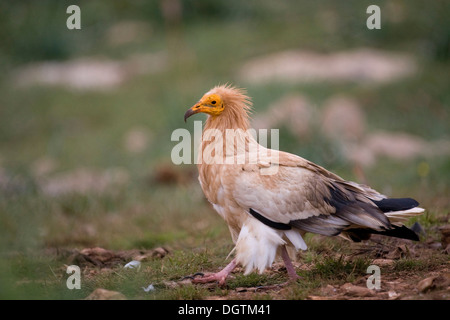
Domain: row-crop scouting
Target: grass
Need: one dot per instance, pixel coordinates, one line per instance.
(87, 130)
(331, 269)
(419, 264)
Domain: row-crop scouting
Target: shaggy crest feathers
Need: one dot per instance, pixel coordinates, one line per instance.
(237, 109)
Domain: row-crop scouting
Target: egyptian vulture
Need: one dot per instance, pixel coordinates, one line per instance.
(270, 198)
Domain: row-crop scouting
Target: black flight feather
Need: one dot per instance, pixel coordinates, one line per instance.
(396, 204)
(268, 222)
(402, 232)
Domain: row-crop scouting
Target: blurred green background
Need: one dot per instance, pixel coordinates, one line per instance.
(86, 115)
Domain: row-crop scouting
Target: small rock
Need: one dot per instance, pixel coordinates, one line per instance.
(356, 291)
(435, 245)
(436, 282)
(426, 284)
(103, 294)
(175, 284)
(159, 252)
(383, 262)
(329, 290)
(447, 249)
(172, 284)
(317, 298)
(400, 251)
(103, 258)
(445, 235)
(393, 295)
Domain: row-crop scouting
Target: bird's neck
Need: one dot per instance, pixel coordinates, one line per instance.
(229, 120)
(225, 137)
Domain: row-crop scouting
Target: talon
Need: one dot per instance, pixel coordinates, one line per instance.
(201, 274)
(219, 277)
(197, 274)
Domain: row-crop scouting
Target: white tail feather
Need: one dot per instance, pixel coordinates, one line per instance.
(256, 246)
(399, 217)
(296, 239)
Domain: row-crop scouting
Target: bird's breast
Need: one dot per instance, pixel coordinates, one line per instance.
(217, 186)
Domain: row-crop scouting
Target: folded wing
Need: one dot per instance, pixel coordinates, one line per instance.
(304, 196)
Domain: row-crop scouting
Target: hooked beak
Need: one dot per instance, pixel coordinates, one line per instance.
(195, 109)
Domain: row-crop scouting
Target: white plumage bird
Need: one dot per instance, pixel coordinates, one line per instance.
(270, 198)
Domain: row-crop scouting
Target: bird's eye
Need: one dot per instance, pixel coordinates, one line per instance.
(213, 102)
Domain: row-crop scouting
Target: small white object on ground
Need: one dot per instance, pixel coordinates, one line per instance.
(149, 288)
(133, 265)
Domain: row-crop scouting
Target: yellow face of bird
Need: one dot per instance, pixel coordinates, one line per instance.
(211, 104)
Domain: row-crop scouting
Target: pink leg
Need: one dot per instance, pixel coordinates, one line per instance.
(219, 276)
(289, 266)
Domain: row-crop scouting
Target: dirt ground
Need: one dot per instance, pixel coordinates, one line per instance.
(408, 270)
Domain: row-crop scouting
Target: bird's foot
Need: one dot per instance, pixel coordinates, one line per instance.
(199, 277)
(293, 277)
(219, 277)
